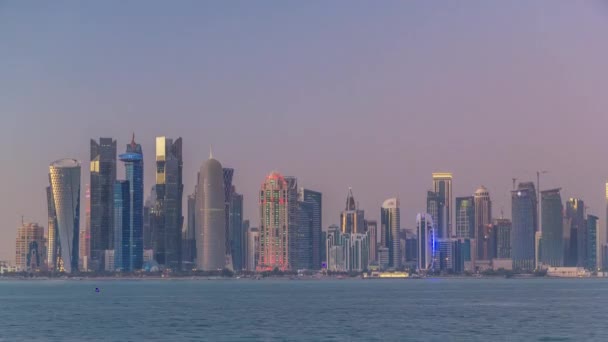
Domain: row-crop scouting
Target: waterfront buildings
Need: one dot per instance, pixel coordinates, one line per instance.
(391, 225)
(65, 195)
(524, 226)
(227, 174)
(315, 198)
(168, 219)
(552, 242)
(211, 215)
(236, 229)
(442, 186)
(30, 247)
(128, 234)
(426, 241)
(278, 223)
(348, 252)
(303, 255)
(593, 225)
(103, 176)
(53, 253)
(352, 220)
(372, 229)
(483, 224)
(84, 253)
(575, 234)
(465, 217)
(502, 238)
(253, 248)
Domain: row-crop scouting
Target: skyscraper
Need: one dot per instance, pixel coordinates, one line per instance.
(228, 173)
(524, 214)
(502, 235)
(30, 251)
(211, 215)
(189, 239)
(103, 176)
(442, 185)
(168, 219)
(318, 244)
(483, 223)
(85, 234)
(372, 230)
(303, 255)
(391, 224)
(53, 253)
(426, 241)
(253, 248)
(435, 206)
(465, 217)
(592, 245)
(352, 220)
(236, 229)
(122, 226)
(576, 254)
(278, 213)
(132, 249)
(149, 218)
(552, 243)
(65, 193)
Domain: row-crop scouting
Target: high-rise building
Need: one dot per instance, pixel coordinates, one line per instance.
(245, 250)
(483, 224)
(65, 193)
(168, 219)
(227, 174)
(465, 217)
(30, 251)
(502, 236)
(593, 224)
(103, 176)
(372, 229)
(442, 185)
(253, 242)
(85, 234)
(278, 213)
(347, 252)
(130, 256)
(576, 251)
(122, 226)
(352, 220)
(189, 236)
(524, 214)
(236, 230)
(426, 241)
(318, 244)
(552, 242)
(211, 215)
(303, 255)
(391, 224)
(53, 253)
(435, 206)
(149, 218)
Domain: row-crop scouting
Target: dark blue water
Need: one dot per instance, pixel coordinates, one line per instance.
(284, 310)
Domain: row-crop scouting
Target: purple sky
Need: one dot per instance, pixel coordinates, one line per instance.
(371, 95)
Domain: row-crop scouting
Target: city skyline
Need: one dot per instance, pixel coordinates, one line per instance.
(331, 115)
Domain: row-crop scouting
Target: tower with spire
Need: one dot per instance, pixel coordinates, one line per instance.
(352, 220)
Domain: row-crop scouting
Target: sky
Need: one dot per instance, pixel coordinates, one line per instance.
(373, 95)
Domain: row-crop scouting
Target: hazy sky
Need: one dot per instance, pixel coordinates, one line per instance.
(375, 95)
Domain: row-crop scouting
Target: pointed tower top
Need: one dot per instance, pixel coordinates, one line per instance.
(133, 140)
(350, 200)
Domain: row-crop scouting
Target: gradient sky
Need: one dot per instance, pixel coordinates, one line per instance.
(372, 95)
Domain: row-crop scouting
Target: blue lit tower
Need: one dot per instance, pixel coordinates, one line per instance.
(132, 238)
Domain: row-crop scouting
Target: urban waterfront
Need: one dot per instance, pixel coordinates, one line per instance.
(536, 309)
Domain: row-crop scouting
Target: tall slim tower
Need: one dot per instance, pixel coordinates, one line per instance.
(483, 223)
(465, 217)
(85, 234)
(352, 220)
(390, 221)
(426, 241)
(278, 213)
(132, 238)
(52, 234)
(103, 176)
(524, 214)
(442, 185)
(552, 241)
(65, 192)
(168, 220)
(211, 215)
(236, 229)
(316, 200)
(228, 174)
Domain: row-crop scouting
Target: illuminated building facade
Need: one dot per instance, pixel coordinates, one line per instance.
(442, 186)
(352, 220)
(465, 217)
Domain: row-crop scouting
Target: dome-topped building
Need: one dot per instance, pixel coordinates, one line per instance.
(211, 230)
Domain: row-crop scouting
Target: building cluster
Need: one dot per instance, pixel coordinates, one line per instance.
(123, 232)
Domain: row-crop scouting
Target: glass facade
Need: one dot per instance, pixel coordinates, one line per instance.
(592, 242)
(236, 230)
(524, 213)
(483, 224)
(502, 237)
(122, 229)
(426, 241)
(442, 186)
(318, 244)
(576, 233)
(52, 235)
(465, 217)
(167, 219)
(552, 222)
(391, 224)
(435, 206)
(65, 192)
(103, 176)
(352, 220)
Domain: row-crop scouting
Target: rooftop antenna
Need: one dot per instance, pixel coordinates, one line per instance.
(514, 181)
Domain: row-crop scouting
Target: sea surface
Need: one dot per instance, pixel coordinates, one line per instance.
(305, 310)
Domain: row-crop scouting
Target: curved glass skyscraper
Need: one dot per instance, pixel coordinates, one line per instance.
(211, 217)
(65, 193)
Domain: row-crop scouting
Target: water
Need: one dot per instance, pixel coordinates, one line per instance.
(326, 310)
